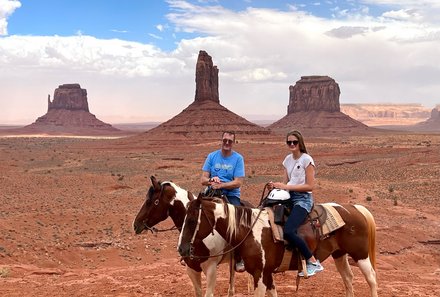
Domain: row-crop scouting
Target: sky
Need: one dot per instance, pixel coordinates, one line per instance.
(137, 58)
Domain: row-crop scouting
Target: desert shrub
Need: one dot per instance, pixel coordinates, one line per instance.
(4, 272)
(369, 198)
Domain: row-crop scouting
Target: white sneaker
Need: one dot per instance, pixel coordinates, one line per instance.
(239, 266)
(312, 268)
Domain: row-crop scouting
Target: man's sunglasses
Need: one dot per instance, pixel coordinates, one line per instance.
(290, 142)
(228, 141)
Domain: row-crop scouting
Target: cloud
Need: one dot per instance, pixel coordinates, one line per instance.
(7, 7)
(347, 32)
(259, 53)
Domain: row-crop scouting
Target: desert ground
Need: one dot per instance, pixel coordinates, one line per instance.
(67, 207)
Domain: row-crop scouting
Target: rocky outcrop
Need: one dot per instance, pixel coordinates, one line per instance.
(69, 97)
(432, 124)
(206, 79)
(386, 114)
(314, 93)
(314, 109)
(205, 118)
(68, 114)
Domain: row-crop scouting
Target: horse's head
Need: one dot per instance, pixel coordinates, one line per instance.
(201, 217)
(156, 206)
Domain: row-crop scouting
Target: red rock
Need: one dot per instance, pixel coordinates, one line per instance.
(314, 109)
(205, 117)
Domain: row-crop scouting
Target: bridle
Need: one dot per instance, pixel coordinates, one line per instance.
(154, 230)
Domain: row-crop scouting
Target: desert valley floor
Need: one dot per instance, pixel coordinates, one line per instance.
(67, 207)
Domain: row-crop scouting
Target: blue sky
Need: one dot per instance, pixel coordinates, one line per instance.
(137, 58)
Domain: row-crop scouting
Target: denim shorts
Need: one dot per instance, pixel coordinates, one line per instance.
(303, 199)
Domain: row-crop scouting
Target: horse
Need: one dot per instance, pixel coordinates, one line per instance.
(166, 199)
(249, 231)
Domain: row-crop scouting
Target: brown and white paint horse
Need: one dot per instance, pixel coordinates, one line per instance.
(166, 199)
(249, 231)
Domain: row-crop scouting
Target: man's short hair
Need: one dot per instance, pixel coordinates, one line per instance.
(228, 132)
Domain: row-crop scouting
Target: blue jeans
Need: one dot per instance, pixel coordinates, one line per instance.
(234, 200)
(295, 219)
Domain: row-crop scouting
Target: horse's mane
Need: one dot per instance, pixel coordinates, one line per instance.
(238, 216)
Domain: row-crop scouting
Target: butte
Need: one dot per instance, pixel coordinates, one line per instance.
(315, 111)
(205, 118)
(68, 114)
(430, 125)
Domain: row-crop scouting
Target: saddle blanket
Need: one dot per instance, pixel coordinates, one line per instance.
(334, 220)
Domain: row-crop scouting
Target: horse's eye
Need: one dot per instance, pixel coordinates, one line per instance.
(156, 202)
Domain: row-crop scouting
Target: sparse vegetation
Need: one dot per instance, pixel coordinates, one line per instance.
(369, 198)
(4, 272)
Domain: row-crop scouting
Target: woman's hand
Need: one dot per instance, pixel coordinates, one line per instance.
(278, 185)
(269, 186)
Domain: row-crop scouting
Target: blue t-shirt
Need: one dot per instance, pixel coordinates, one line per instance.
(226, 168)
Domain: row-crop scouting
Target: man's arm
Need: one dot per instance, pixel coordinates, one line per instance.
(205, 179)
(236, 183)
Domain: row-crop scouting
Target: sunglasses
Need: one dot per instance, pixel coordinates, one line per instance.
(290, 142)
(228, 141)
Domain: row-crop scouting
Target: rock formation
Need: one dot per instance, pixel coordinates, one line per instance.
(313, 93)
(314, 109)
(387, 114)
(205, 118)
(206, 79)
(432, 124)
(68, 114)
(69, 97)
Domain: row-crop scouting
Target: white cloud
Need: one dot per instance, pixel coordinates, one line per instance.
(7, 7)
(259, 53)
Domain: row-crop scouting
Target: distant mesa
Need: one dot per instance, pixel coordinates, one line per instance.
(314, 109)
(385, 115)
(432, 124)
(68, 114)
(205, 117)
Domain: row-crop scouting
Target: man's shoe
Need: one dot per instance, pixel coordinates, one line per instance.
(239, 266)
(312, 268)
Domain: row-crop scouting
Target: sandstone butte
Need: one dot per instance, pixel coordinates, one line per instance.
(314, 110)
(68, 114)
(432, 124)
(205, 118)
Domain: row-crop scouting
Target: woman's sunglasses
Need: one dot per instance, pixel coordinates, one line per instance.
(290, 142)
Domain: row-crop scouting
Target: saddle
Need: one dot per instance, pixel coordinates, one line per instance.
(319, 224)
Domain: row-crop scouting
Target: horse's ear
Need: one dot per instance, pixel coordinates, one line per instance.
(154, 182)
(200, 197)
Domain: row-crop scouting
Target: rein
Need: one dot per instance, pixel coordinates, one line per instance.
(192, 256)
(155, 230)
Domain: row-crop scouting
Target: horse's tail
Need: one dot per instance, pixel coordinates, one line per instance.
(371, 234)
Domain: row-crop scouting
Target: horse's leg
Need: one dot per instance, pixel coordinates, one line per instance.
(370, 275)
(346, 274)
(272, 292)
(210, 270)
(196, 279)
(231, 289)
(260, 287)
